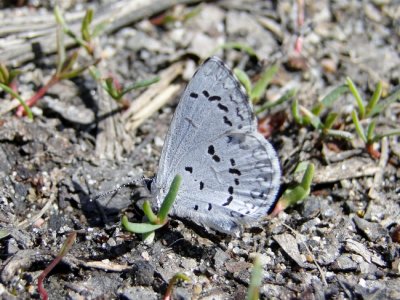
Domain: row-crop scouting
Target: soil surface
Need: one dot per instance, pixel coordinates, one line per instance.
(341, 242)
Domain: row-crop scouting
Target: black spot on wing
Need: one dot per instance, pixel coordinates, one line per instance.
(228, 201)
(233, 162)
(235, 171)
(201, 185)
(189, 169)
(237, 181)
(205, 93)
(211, 150)
(214, 98)
(194, 95)
(230, 190)
(223, 107)
(227, 121)
(239, 114)
(216, 158)
(209, 206)
(196, 207)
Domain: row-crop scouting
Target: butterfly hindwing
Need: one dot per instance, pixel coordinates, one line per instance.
(230, 172)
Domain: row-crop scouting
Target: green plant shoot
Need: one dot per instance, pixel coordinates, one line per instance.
(155, 221)
(297, 194)
(253, 292)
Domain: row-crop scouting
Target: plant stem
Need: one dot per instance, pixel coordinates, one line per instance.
(39, 94)
(64, 249)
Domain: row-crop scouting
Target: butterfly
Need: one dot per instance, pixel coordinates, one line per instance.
(230, 172)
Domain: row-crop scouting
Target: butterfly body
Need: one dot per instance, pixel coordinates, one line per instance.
(230, 171)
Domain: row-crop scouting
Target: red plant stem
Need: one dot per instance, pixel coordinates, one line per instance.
(64, 249)
(373, 152)
(39, 94)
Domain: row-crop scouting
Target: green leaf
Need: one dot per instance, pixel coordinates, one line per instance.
(85, 30)
(95, 73)
(153, 219)
(310, 118)
(387, 133)
(330, 120)
(59, 17)
(4, 74)
(357, 96)
(169, 198)
(301, 191)
(296, 114)
(333, 95)
(21, 101)
(370, 131)
(374, 99)
(359, 128)
(139, 227)
(317, 109)
(253, 292)
(69, 63)
(285, 97)
(262, 84)
(140, 84)
(148, 237)
(237, 46)
(386, 102)
(244, 79)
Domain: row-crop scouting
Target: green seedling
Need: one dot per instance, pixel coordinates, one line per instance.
(382, 105)
(236, 46)
(155, 221)
(253, 292)
(368, 136)
(115, 90)
(87, 34)
(65, 65)
(24, 105)
(174, 17)
(7, 84)
(297, 194)
(177, 277)
(64, 249)
(306, 117)
(7, 76)
(285, 97)
(257, 91)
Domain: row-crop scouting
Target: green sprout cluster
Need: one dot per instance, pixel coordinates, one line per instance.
(367, 113)
(66, 64)
(154, 221)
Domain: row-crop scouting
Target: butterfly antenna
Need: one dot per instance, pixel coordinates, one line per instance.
(124, 185)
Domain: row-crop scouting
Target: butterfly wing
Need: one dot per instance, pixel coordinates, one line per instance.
(230, 172)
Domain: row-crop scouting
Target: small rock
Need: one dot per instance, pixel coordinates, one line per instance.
(143, 273)
(373, 231)
(344, 263)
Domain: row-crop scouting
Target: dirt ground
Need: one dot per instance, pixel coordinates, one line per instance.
(342, 242)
